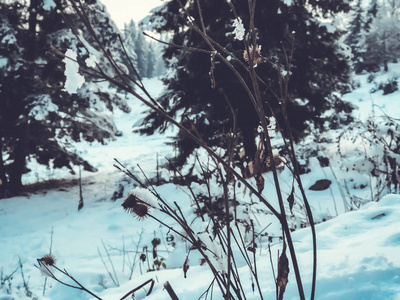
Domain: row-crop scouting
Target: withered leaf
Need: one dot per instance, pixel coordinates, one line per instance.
(186, 266)
(290, 199)
(283, 272)
(260, 183)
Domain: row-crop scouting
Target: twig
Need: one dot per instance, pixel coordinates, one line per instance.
(113, 278)
(80, 205)
(51, 246)
(134, 259)
(139, 287)
(273, 270)
(170, 291)
(27, 291)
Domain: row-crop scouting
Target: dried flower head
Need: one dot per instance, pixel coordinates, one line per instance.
(130, 202)
(254, 54)
(48, 260)
(141, 210)
(46, 265)
(135, 206)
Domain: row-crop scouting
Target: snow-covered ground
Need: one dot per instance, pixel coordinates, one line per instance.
(358, 251)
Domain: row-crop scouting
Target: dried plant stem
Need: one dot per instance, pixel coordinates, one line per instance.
(27, 291)
(115, 277)
(151, 281)
(80, 205)
(134, 258)
(50, 251)
(170, 291)
(79, 286)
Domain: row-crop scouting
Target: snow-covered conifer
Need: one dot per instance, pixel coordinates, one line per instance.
(39, 120)
(382, 42)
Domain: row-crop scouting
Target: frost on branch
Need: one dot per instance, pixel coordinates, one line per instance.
(74, 80)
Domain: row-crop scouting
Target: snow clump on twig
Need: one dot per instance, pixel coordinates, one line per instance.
(74, 80)
(239, 29)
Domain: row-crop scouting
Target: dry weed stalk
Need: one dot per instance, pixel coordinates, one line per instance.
(47, 265)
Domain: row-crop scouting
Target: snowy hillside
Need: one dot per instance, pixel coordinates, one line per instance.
(101, 246)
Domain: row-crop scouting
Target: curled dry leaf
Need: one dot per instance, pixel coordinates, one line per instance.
(186, 266)
(283, 272)
(260, 183)
(290, 199)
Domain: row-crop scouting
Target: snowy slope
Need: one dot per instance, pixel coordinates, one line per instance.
(358, 251)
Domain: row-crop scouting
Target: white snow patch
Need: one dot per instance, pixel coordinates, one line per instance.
(91, 61)
(74, 80)
(146, 196)
(3, 62)
(48, 4)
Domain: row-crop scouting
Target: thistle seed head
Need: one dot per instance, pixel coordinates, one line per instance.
(135, 206)
(254, 54)
(48, 260)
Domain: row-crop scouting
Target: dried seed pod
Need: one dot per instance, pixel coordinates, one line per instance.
(130, 202)
(135, 206)
(156, 242)
(140, 211)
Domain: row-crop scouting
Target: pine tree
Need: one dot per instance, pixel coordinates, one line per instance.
(141, 51)
(382, 43)
(39, 120)
(159, 68)
(371, 14)
(355, 31)
(317, 69)
(129, 38)
(151, 60)
(10, 57)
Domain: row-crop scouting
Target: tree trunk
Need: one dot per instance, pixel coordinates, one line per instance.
(385, 65)
(385, 54)
(21, 150)
(18, 167)
(32, 21)
(3, 177)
